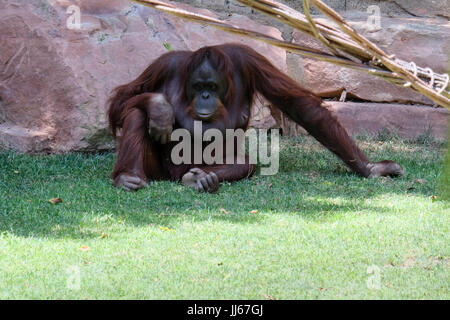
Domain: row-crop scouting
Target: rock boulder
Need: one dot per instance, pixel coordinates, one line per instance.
(426, 41)
(55, 79)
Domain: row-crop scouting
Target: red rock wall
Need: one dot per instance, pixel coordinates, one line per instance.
(55, 79)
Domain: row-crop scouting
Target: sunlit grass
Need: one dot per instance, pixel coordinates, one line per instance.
(315, 230)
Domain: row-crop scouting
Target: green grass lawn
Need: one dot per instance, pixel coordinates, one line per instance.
(313, 231)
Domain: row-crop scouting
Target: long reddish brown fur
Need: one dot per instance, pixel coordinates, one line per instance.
(246, 72)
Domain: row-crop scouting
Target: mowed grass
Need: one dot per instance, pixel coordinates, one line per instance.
(313, 231)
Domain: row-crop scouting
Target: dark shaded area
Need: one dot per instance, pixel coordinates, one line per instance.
(445, 181)
(309, 178)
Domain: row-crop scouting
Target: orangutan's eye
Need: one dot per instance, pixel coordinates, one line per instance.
(212, 86)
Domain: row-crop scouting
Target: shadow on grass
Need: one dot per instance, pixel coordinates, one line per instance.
(311, 184)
